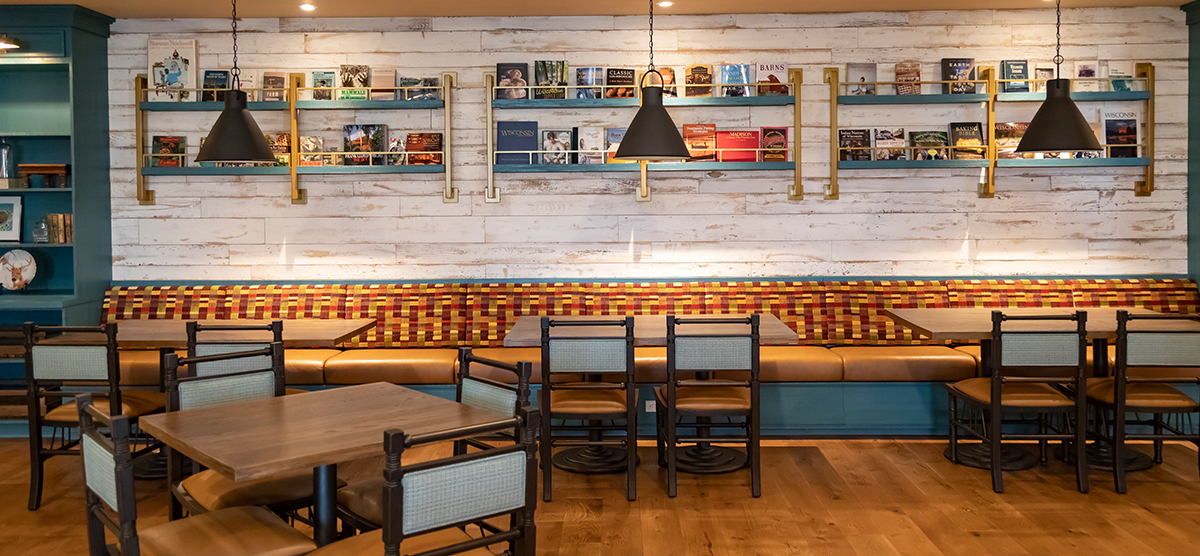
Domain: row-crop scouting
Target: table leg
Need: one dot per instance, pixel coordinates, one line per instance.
(325, 504)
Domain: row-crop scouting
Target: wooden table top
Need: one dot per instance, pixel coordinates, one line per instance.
(975, 324)
(648, 330)
(252, 440)
(170, 333)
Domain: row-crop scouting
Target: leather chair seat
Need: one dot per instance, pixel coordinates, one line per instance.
(776, 364)
(371, 544)
(134, 403)
(587, 401)
(707, 398)
(398, 366)
(904, 363)
(241, 531)
(1016, 394)
(214, 491)
(1138, 395)
(364, 499)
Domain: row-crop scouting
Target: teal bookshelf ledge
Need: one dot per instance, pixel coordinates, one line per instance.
(913, 99)
(368, 104)
(1070, 162)
(203, 171)
(1078, 95)
(526, 103)
(207, 106)
(11, 191)
(653, 167)
(414, 169)
(283, 170)
(906, 164)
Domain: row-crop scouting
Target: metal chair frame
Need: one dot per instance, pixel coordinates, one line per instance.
(123, 521)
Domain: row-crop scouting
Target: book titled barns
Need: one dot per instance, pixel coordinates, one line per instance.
(775, 77)
(424, 148)
(364, 138)
(961, 71)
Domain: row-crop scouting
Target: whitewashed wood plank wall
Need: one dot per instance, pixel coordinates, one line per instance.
(711, 225)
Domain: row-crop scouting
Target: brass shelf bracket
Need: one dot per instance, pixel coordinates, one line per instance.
(145, 196)
(987, 179)
(449, 82)
(491, 194)
(1145, 187)
(295, 83)
(642, 194)
(796, 78)
(832, 78)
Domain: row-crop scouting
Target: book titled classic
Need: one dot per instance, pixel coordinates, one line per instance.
(620, 83)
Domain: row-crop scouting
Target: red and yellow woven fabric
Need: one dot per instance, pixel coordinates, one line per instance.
(492, 309)
(854, 310)
(409, 315)
(168, 302)
(286, 302)
(1010, 293)
(800, 305)
(1162, 295)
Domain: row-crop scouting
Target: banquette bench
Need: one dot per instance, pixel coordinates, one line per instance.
(844, 336)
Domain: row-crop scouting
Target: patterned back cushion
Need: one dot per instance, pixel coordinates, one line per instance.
(854, 310)
(1162, 295)
(286, 302)
(167, 302)
(648, 298)
(800, 305)
(493, 309)
(409, 315)
(1010, 293)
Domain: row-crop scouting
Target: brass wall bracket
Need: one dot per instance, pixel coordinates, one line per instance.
(832, 78)
(642, 194)
(449, 82)
(145, 196)
(295, 83)
(987, 178)
(1145, 187)
(491, 194)
(796, 189)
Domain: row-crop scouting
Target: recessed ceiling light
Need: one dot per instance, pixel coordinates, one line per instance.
(307, 7)
(666, 4)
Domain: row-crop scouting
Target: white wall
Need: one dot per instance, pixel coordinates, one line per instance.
(700, 224)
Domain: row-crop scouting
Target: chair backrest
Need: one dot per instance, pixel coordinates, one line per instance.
(255, 383)
(82, 356)
(485, 393)
(462, 489)
(1045, 349)
(198, 348)
(1165, 341)
(605, 354)
(713, 344)
(108, 475)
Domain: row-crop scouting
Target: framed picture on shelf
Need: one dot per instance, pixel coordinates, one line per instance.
(10, 218)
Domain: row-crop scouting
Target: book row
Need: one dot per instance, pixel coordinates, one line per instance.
(552, 79)
(525, 143)
(958, 76)
(372, 141)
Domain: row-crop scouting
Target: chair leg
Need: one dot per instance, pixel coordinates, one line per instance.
(1043, 444)
(953, 416)
(1118, 462)
(671, 463)
(631, 447)
(660, 438)
(755, 455)
(1158, 443)
(545, 444)
(1081, 464)
(35, 464)
(997, 459)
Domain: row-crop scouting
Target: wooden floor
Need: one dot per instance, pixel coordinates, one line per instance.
(868, 497)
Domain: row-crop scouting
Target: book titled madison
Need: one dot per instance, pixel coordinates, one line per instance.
(730, 143)
(515, 142)
(967, 140)
(736, 80)
(772, 78)
(511, 80)
(590, 82)
(423, 148)
(854, 144)
(701, 141)
(961, 73)
(551, 78)
(620, 83)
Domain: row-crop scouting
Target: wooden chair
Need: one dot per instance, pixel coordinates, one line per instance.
(591, 400)
(112, 505)
(1163, 356)
(359, 505)
(693, 403)
(1057, 361)
(260, 377)
(426, 505)
(63, 370)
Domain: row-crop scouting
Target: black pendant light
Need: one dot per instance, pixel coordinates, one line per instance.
(1058, 124)
(235, 137)
(652, 135)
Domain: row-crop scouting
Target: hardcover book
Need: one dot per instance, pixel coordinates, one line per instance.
(395, 149)
(736, 80)
(281, 146)
(589, 76)
(958, 69)
(590, 145)
(1117, 71)
(172, 69)
(1014, 69)
(419, 88)
(274, 83)
(355, 79)
(511, 80)
(424, 148)
(323, 82)
(382, 82)
(620, 83)
(612, 141)
(247, 82)
(728, 143)
(169, 151)
(860, 79)
(701, 140)
(1041, 74)
(890, 144)
(312, 144)
(772, 78)
(774, 144)
(556, 144)
(908, 78)
(929, 145)
(669, 85)
(551, 78)
(1008, 136)
(214, 83)
(364, 138)
(1086, 74)
(1121, 127)
(853, 144)
(700, 74)
(967, 140)
(519, 139)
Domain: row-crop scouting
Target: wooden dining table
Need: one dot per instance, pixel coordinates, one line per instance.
(317, 430)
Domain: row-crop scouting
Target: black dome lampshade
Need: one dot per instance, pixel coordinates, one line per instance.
(1058, 124)
(652, 134)
(235, 137)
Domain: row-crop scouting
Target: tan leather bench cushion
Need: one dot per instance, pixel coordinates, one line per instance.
(214, 491)
(776, 364)
(240, 531)
(306, 366)
(398, 366)
(588, 401)
(904, 363)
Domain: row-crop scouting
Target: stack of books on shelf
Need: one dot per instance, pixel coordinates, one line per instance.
(553, 79)
(60, 228)
(522, 142)
(958, 76)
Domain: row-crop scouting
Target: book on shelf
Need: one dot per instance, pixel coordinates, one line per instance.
(247, 81)
(521, 137)
(57, 223)
(383, 81)
(312, 144)
(961, 73)
(551, 79)
(353, 80)
(728, 143)
(395, 149)
(853, 144)
(1086, 74)
(860, 79)
(511, 80)
(281, 146)
(774, 144)
(1014, 69)
(620, 83)
(68, 227)
(1041, 74)
(274, 85)
(556, 144)
(772, 78)
(612, 141)
(172, 70)
(1121, 75)
(364, 138)
(908, 77)
(214, 83)
(1121, 127)
(968, 141)
(431, 89)
(169, 151)
(736, 80)
(698, 74)
(333, 155)
(322, 82)
(701, 141)
(929, 144)
(590, 145)
(590, 82)
(669, 84)
(890, 143)
(423, 148)
(1008, 136)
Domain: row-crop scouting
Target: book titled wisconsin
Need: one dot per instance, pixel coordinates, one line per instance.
(736, 79)
(551, 78)
(961, 70)
(515, 142)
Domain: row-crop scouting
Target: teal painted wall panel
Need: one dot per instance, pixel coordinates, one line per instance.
(1193, 218)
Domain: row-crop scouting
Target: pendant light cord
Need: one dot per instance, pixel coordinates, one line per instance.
(1058, 59)
(235, 72)
(651, 35)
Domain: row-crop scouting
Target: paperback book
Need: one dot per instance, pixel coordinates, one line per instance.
(169, 151)
(312, 144)
(736, 80)
(556, 144)
(1008, 136)
(854, 144)
(967, 140)
(281, 147)
(669, 85)
(1086, 73)
(1121, 127)
(511, 80)
(215, 81)
(247, 81)
(730, 143)
(590, 82)
(364, 138)
(274, 83)
(424, 148)
(1041, 74)
(515, 142)
(1121, 76)
(908, 78)
(612, 141)
(353, 81)
(890, 144)
(395, 149)
(774, 144)
(1014, 69)
(701, 141)
(419, 88)
(620, 83)
(172, 69)
(860, 79)
(382, 82)
(772, 78)
(590, 145)
(551, 78)
(323, 82)
(700, 74)
(929, 145)
(961, 71)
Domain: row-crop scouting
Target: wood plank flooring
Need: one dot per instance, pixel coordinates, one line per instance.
(836, 497)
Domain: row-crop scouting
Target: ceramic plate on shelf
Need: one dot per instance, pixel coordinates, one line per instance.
(17, 269)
